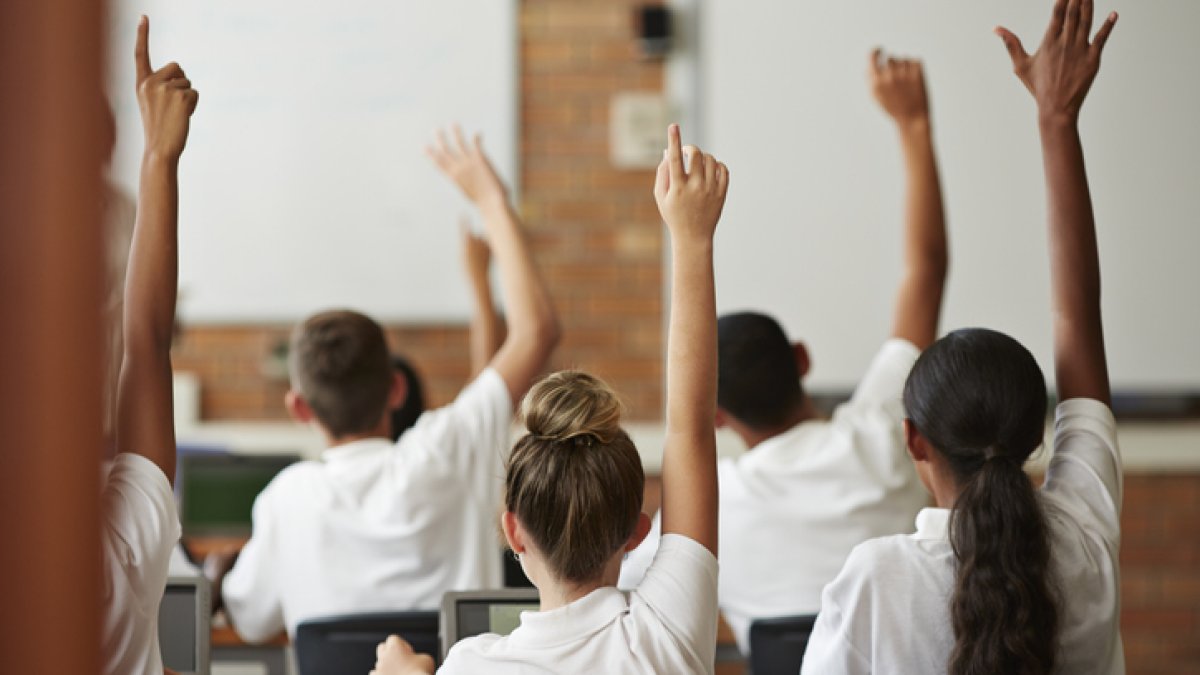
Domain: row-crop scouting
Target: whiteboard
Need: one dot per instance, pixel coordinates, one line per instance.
(812, 226)
(303, 185)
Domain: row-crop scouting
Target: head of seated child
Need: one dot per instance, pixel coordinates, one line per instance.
(573, 487)
(759, 393)
(976, 406)
(342, 377)
(404, 417)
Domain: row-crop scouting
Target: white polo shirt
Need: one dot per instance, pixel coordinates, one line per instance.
(666, 625)
(141, 527)
(379, 526)
(795, 505)
(889, 609)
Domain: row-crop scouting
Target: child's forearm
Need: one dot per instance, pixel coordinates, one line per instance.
(926, 257)
(1080, 360)
(530, 311)
(151, 280)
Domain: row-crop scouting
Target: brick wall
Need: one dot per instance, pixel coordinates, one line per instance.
(1160, 570)
(597, 236)
(595, 231)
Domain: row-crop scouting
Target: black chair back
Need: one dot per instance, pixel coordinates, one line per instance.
(777, 645)
(345, 644)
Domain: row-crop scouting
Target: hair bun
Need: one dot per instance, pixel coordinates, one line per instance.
(571, 404)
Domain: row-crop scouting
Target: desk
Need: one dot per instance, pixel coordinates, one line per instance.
(229, 648)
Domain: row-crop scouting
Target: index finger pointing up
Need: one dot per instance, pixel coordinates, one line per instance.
(675, 154)
(873, 63)
(141, 50)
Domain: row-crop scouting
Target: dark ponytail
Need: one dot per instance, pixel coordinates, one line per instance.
(979, 398)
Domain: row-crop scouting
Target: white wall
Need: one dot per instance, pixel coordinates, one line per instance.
(304, 185)
(812, 228)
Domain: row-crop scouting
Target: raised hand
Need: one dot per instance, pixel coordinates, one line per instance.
(477, 253)
(467, 165)
(691, 200)
(1061, 71)
(395, 657)
(898, 85)
(166, 99)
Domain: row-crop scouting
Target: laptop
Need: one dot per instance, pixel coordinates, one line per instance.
(469, 613)
(217, 490)
(184, 624)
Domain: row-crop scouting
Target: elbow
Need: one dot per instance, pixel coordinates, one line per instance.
(550, 332)
(932, 267)
(546, 330)
(147, 338)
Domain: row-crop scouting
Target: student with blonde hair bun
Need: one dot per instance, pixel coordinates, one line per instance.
(573, 491)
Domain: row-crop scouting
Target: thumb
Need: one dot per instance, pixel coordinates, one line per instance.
(141, 50)
(1013, 44)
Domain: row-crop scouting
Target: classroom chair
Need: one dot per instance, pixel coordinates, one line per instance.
(777, 645)
(345, 644)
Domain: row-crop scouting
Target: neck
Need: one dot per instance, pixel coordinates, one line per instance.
(943, 485)
(752, 437)
(381, 430)
(554, 593)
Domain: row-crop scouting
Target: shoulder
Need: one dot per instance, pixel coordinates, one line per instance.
(293, 482)
(488, 386)
(676, 547)
(129, 469)
(886, 563)
(472, 654)
(485, 399)
(1084, 477)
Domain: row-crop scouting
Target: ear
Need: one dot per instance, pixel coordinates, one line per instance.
(639, 532)
(918, 446)
(721, 419)
(512, 531)
(399, 391)
(803, 361)
(297, 407)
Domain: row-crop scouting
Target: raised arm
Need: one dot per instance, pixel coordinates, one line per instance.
(1059, 76)
(145, 418)
(899, 87)
(690, 203)
(485, 323)
(533, 329)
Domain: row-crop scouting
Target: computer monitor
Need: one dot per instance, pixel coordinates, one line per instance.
(469, 613)
(184, 623)
(217, 489)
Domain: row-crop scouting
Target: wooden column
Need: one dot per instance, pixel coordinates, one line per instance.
(51, 60)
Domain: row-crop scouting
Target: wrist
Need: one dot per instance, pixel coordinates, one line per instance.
(492, 199)
(691, 244)
(160, 157)
(1057, 120)
(914, 126)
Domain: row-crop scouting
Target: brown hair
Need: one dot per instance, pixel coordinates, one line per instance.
(575, 481)
(979, 397)
(338, 362)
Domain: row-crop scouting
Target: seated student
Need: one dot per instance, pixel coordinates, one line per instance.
(378, 525)
(573, 492)
(140, 526)
(484, 333)
(811, 489)
(1002, 577)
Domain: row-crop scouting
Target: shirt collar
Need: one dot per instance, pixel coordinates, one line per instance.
(932, 524)
(355, 449)
(577, 620)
